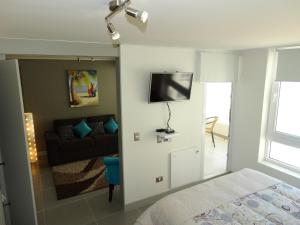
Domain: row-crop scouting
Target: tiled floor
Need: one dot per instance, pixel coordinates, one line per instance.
(87, 209)
(215, 159)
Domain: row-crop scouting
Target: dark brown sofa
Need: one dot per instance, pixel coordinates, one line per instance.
(63, 151)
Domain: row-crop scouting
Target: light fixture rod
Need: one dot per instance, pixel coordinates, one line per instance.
(118, 9)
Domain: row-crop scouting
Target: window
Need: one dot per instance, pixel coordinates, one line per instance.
(284, 125)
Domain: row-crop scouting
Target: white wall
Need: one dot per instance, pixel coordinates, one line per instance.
(247, 109)
(219, 66)
(146, 159)
(250, 114)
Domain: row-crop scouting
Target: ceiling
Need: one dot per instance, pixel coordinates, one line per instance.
(203, 24)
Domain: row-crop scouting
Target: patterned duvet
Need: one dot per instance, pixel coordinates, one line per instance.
(276, 205)
(245, 197)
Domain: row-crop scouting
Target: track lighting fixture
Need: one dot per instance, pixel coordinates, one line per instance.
(114, 34)
(140, 15)
(116, 6)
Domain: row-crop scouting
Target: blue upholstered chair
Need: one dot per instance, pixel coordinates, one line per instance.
(112, 173)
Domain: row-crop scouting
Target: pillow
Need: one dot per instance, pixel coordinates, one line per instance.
(65, 132)
(97, 128)
(82, 129)
(111, 126)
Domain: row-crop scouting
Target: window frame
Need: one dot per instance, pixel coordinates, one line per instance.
(276, 136)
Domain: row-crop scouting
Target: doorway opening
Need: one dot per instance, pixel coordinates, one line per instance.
(69, 179)
(217, 127)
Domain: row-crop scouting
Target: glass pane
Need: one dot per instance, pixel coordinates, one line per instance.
(218, 101)
(285, 154)
(288, 115)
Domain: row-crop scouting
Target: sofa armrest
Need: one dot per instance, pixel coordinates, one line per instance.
(52, 138)
(53, 144)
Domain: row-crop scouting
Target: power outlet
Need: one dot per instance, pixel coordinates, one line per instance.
(159, 179)
(136, 136)
(159, 139)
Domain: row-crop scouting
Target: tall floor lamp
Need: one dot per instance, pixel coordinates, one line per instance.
(30, 135)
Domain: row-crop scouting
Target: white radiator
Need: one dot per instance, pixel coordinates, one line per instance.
(185, 167)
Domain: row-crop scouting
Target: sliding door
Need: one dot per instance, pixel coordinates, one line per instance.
(17, 172)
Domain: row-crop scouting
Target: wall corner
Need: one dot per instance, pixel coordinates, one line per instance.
(270, 77)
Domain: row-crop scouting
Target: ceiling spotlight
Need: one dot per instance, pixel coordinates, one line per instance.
(117, 6)
(114, 34)
(113, 5)
(140, 15)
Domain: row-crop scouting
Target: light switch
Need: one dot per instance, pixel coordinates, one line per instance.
(159, 179)
(136, 136)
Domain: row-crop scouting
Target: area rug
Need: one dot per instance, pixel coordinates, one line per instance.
(79, 177)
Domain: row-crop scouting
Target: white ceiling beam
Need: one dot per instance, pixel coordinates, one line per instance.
(56, 48)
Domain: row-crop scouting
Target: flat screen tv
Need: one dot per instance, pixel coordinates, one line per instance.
(168, 87)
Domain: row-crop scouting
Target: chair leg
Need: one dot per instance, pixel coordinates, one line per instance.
(111, 190)
(213, 138)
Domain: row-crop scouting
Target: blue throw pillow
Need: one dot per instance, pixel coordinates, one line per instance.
(82, 129)
(111, 126)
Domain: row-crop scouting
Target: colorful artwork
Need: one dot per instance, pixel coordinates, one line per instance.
(83, 85)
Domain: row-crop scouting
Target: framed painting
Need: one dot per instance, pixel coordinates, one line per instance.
(83, 88)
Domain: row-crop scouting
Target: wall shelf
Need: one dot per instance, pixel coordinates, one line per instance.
(164, 137)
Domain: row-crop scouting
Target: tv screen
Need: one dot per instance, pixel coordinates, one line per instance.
(167, 87)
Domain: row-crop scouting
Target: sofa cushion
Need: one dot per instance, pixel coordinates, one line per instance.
(78, 144)
(111, 126)
(82, 129)
(97, 128)
(65, 132)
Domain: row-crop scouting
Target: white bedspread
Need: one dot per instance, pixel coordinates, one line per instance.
(179, 207)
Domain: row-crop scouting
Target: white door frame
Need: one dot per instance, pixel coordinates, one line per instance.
(232, 106)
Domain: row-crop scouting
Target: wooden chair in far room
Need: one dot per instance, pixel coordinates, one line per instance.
(210, 123)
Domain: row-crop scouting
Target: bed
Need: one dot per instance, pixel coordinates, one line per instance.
(240, 198)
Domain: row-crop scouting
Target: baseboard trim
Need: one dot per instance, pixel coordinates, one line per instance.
(151, 200)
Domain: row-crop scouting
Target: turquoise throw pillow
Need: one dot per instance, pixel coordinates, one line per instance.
(82, 129)
(111, 126)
